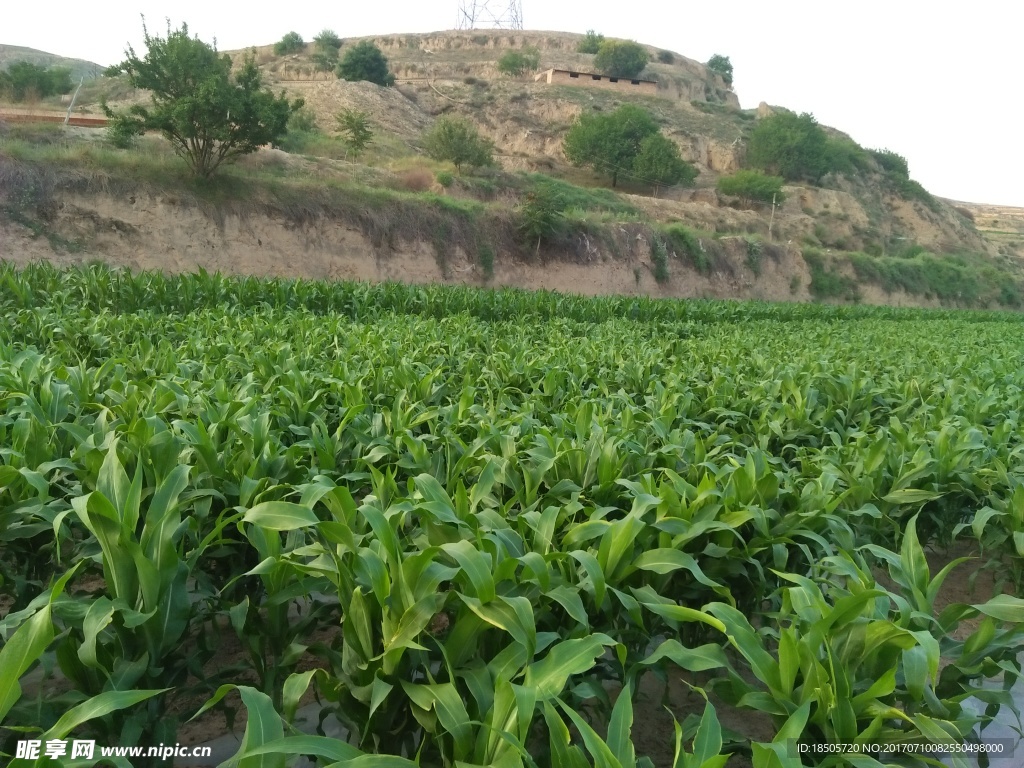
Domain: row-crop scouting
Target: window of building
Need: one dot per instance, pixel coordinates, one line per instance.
(634, 82)
(595, 77)
(574, 74)
(613, 79)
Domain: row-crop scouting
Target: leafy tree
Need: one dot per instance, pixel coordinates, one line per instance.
(354, 126)
(666, 57)
(753, 186)
(365, 61)
(660, 164)
(457, 140)
(591, 43)
(843, 155)
(325, 57)
(621, 59)
(328, 41)
(517, 63)
(609, 143)
(722, 66)
(789, 145)
(22, 81)
(290, 43)
(892, 163)
(209, 116)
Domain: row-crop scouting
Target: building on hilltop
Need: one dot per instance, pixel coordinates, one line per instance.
(593, 80)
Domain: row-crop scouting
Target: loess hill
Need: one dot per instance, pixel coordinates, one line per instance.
(311, 211)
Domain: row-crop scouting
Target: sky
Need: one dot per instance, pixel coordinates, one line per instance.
(941, 84)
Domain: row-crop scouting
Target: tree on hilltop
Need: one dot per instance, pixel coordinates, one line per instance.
(292, 42)
(591, 42)
(722, 66)
(621, 58)
(789, 145)
(365, 61)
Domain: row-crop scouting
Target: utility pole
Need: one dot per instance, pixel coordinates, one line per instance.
(67, 117)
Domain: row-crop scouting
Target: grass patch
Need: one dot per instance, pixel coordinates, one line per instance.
(826, 281)
(577, 197)
(952, 279)
(687, 245)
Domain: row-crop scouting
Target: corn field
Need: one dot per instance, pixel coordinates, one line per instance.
(468, 523)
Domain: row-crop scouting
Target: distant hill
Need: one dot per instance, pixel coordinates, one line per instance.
(10, 54)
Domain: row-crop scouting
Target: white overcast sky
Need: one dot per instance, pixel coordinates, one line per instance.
(938, 82)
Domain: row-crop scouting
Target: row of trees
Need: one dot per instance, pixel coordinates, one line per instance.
(362, 61)
(787, 147)
(23, 81)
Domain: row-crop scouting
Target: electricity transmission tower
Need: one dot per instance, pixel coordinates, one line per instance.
(497, 14)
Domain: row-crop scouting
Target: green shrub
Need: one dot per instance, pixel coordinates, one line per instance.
(620, 59)
(122, 132)
(911, 251)
(789, 145)
(23, 81)
(541, 215)
(659, 255)
(365, 61)
(909, 189)
(457, 140)
(445, 179)
(290, 43)
(827, 283)
(581, 198)
(324, 62)
(304, 120)
(686, 244)
(891, 163)
(797, 148)
(354, 126)
(753, 186)
(660, 164)
(518, 63)
(1009, 295)
(844, 156)
(666, 57)
(754, 250)
(486, 256)
(591, 42)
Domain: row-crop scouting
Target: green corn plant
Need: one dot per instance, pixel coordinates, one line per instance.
(132, 634)
(30, 639)
(272, 625)
(999, 530)
(860, 667)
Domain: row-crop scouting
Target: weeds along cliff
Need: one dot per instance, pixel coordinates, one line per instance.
(310, 208)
